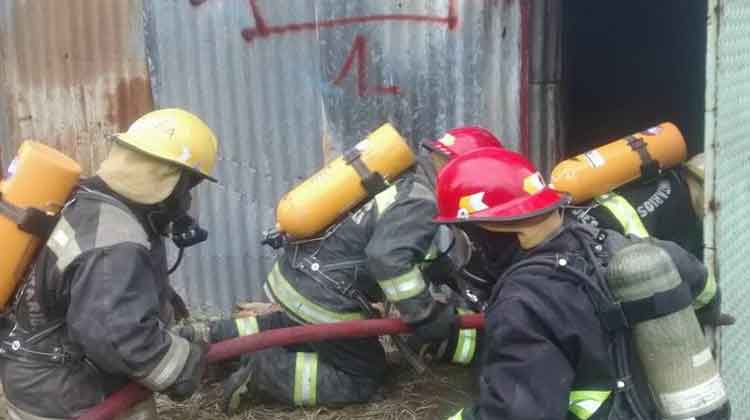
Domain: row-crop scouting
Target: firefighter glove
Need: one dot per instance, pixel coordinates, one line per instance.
(190, 378)
(195, 332)
(441, 324)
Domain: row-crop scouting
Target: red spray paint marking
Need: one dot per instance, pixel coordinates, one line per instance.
(359, 53)
(359, 49)
(263, 30)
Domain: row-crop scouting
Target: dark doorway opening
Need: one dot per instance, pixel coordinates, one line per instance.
(631, 64)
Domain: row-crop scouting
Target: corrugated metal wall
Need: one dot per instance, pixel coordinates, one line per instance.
(72, 71)
(728, 175)
(286, 82)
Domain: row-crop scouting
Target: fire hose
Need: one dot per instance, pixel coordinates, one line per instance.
(134, 393)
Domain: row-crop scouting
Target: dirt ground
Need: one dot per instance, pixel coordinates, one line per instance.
(439, 393)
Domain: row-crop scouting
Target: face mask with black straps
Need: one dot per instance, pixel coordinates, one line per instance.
(171, 217)
(492, 252)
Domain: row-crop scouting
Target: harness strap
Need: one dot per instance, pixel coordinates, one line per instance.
(31, 220)
(658, 305)
(23, 348)
(373, 182)
(650, 168)
(313, 268)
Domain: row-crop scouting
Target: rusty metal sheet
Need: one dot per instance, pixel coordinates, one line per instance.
(72, 71)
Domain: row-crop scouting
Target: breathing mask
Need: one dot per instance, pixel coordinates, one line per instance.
(469, 261)
(171, 218)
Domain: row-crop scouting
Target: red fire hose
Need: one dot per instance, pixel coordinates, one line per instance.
(134, 393)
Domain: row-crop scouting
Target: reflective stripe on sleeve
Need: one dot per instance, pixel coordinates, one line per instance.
(246, 326)
(299, 306)
(466, 344)
(404, 286)
(583, 404)
(62, 242)
(170, 366)
(385, 198)
(707, 294)
(457, 416)
(306, 379)
(624, 213)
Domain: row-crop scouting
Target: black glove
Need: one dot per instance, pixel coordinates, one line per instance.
(190, 378)
(441, 324)
(195, 332)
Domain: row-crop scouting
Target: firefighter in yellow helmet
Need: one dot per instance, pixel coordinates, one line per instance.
(94, 312)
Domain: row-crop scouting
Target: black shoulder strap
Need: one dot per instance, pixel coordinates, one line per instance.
(31, 220)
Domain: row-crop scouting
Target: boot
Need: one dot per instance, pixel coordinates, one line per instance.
(236, 386)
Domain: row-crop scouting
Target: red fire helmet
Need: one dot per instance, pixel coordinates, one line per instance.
(460, 140)
(493, 185)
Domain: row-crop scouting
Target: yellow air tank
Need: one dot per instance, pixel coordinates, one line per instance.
(603, 169)
(318, 201)
(39, 178)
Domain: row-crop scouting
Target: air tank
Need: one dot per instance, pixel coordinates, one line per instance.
(39, 177)
(605, 168)
(674, 353)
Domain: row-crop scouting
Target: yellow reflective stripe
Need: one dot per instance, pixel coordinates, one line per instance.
(404, 286)
(583, 404)
(306, 379)
(707, 294)
(385, 198)
(467, 343)
(624, 213)
(432, 252)
(457, 416)
(246, 326)
(300, 307)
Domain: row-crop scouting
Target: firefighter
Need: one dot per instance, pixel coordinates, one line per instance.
(373, 254)
(93, 313)
(659, 207)
(668, 207)
(551, 353)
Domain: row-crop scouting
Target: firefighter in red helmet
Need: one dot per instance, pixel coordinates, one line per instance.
(377, 253)
(549, 352)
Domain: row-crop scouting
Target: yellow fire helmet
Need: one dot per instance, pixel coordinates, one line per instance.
(176, 136)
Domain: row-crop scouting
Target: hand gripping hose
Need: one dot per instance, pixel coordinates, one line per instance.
(133, 393)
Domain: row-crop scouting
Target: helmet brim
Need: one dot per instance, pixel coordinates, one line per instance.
(544, 202)
(120, 139)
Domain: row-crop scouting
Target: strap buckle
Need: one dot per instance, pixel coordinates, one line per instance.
(372, 182)
(650, 168)
(31, 220)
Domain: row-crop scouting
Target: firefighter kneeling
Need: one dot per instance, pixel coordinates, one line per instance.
(93, 313)
(375, 253)
(557, 338)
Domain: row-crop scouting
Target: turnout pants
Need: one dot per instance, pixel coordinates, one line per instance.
(324, 373)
